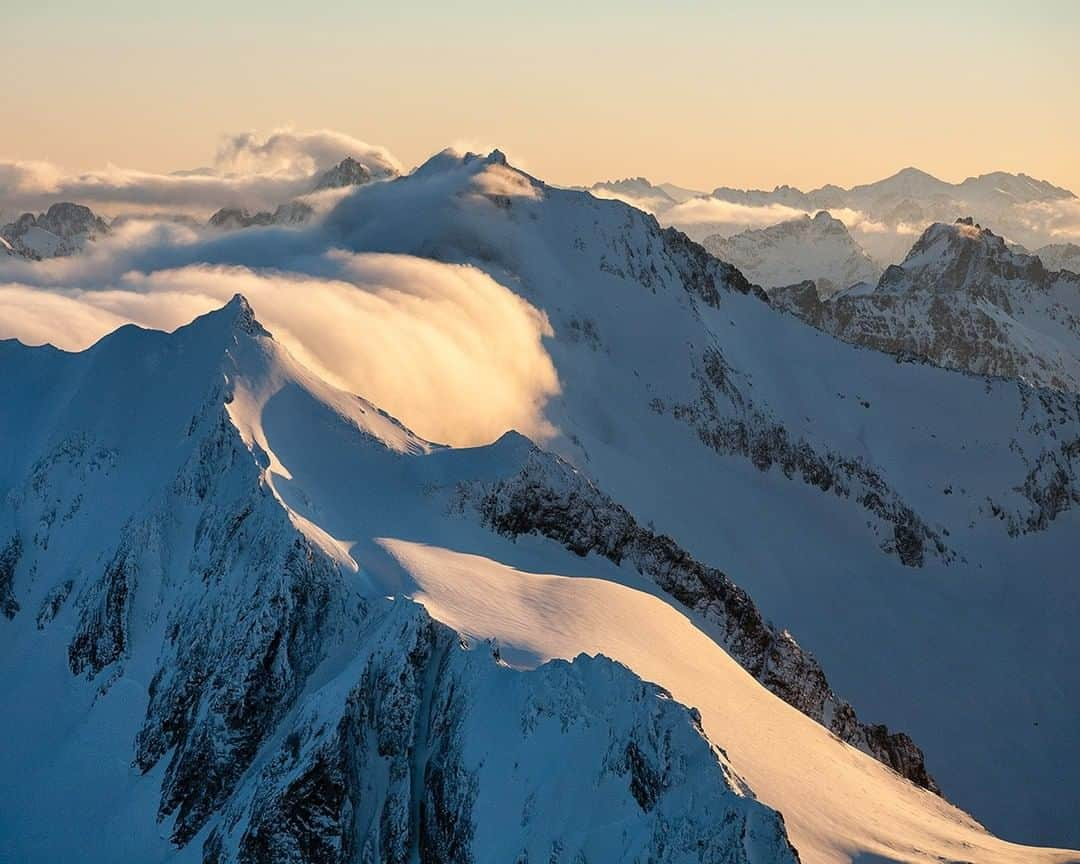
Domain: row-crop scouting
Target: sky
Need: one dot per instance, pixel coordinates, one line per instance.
(697, 93)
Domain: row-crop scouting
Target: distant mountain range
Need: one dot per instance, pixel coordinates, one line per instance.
(67, 227)
(886, 215)
(907, 195)
(1059, 256)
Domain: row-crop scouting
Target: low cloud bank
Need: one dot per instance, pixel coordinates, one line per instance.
(455, 355)
(444, 347)
(253, 171)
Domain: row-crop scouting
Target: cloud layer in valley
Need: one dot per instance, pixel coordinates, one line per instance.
(703, 216)
(443, 346)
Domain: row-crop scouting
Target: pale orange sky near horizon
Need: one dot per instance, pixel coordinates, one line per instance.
(698, 94)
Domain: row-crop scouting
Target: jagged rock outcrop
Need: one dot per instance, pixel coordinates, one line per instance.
(348, 172)
(10, 554)
(961, 299)
(233, 218)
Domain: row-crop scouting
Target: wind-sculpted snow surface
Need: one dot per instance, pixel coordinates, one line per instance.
(547, 497)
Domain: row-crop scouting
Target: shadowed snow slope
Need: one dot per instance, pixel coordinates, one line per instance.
(201, 662)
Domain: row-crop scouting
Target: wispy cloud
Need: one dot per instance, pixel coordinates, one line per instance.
(726, 216)
(300, 153)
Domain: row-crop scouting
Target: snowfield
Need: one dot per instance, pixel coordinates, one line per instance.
(252, 617)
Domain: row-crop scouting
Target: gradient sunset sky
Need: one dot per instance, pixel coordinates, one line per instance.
(700, 94)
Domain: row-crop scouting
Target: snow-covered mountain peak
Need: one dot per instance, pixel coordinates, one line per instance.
(348, 172)
(243, 316)
(258, 370)
(817, 248)
(64, 229)
(1008, 188)
(451, 158)
(640, 193)
(961, 256)
(216, 331)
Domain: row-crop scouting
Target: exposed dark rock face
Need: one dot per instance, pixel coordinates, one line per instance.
(53, 602)
(348, 172)
(102, 635)
(233, 218)
(235, 660)
(68, 227)
(9, 563)
(703, 275)
(549, 498)
(353, 798)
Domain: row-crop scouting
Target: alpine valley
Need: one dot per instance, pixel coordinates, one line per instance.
(777, 576)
